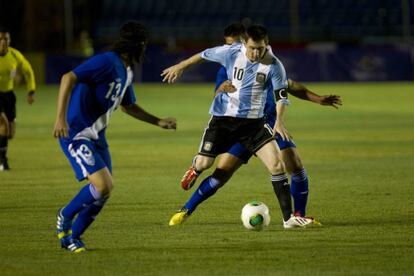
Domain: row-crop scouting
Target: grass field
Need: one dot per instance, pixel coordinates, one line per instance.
(359, 159)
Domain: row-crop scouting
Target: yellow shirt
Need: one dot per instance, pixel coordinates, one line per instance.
(9, 64)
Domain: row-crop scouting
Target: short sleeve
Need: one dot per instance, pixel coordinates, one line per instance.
(278, 76)
(26, 69)
(94, 69)
(216, 54)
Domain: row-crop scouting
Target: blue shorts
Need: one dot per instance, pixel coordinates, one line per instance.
(243, 154)
(86, 157)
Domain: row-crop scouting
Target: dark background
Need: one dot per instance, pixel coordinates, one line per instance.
(317, 40)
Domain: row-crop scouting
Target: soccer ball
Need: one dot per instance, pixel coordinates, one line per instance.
(255, 216)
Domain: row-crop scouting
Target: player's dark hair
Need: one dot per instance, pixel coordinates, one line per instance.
(4, 30)
(132, 41)
(235, 29)
(257, 32)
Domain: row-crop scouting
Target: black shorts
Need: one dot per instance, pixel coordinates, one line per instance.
(223, 132)
(8, 104)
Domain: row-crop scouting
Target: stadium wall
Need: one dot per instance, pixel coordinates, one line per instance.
(316, 62)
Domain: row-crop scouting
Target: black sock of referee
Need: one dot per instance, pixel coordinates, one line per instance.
(3, 147)
(3, 150)
(281, 187)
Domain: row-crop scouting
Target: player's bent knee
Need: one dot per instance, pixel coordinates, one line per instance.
(102, 181)
(277, 168)
(103, 186)
(203, 162)
(295, 169)
(292, 160)
(227, 168)
(222, 175)
(104, 189)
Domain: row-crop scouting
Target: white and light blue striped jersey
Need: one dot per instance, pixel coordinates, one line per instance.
(103, 84)
(251, 80)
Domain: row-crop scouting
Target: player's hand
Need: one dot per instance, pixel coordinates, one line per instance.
(168, 123)
(61, 129)
(226, 87)
(332, 100)
(30, 97)
(280, 129)
(172, 73)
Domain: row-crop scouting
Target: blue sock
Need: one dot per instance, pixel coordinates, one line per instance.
(207, 188)
(299, 190)
(86, 217)
(86, 196)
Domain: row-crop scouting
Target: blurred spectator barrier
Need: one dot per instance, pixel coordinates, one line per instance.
(323, 62)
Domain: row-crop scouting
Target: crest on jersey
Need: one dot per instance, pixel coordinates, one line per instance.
(207, 146)
(260, 77)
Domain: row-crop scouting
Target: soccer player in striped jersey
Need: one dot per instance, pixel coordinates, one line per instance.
(88, 96)
(238, 155)
(239, 116)
(11, 61)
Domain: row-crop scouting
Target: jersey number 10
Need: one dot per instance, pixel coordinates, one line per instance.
(238, 73)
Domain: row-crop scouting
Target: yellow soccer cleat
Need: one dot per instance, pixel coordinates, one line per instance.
(316, 222)
(179, 217)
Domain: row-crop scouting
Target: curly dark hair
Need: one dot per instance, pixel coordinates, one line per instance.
(132, 41)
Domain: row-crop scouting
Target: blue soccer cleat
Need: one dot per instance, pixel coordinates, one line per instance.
(63, 229)
(76, 246)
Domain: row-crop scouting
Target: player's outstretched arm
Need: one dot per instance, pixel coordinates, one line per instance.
(171, 74)
(67, 83)
(139, 113)
(302, 92)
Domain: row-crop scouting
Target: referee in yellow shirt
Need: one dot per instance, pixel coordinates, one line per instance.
(11, 60)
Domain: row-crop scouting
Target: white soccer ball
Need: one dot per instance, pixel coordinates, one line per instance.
(255, 216)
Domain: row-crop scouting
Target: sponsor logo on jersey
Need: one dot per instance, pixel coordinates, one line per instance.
(260, 77)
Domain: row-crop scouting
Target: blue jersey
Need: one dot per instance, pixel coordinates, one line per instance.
(269, 109)
(251, 79)
(103, 84)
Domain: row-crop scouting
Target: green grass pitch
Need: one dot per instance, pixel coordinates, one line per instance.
(359, 160)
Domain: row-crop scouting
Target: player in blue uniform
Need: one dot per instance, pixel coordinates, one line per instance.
(238, 116)
(87, 97)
